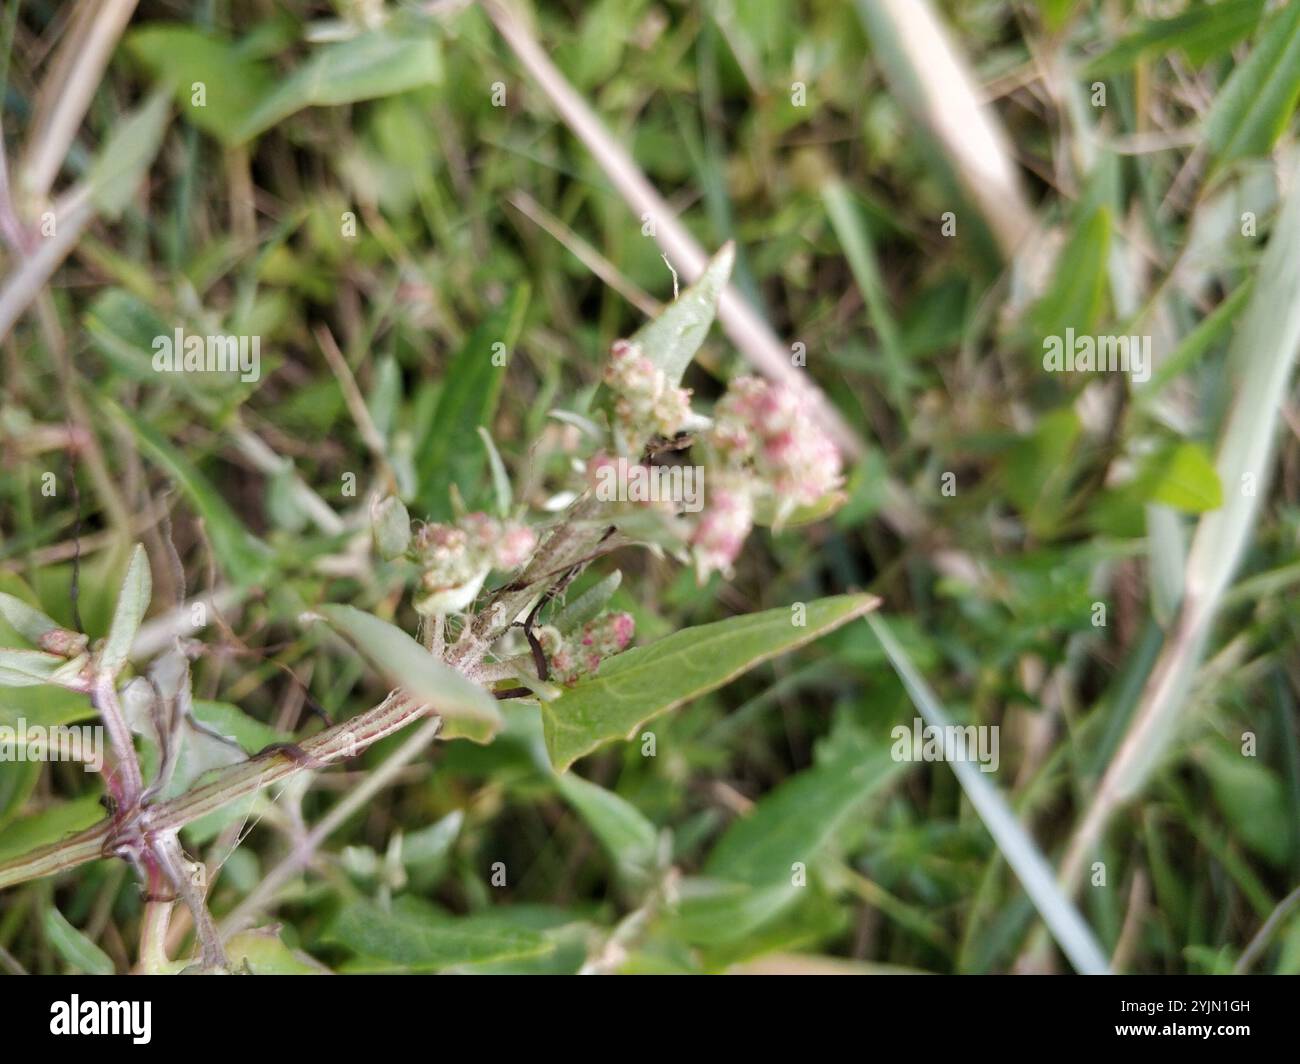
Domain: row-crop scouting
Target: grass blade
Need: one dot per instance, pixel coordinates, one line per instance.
(1069, 929)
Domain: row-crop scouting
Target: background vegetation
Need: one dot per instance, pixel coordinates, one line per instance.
(381, 192)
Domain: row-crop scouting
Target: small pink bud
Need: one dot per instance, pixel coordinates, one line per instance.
(515, 546)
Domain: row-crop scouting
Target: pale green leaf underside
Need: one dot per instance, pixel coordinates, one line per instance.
(132, 602)
(671, 340)
(26, 620)
(408, 665)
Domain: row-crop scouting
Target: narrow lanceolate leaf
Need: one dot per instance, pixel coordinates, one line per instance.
(471, 390)
(27, 621)
(644, 682)
(74, 947)
(132, 602)
(1069, 929)
(671, 340)
(500, 479)
(409, 666)
(1252, 110)
(1200, 33)
(1077, 294)
(855, 239)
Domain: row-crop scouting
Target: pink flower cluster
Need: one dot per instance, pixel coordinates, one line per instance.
(767, 429)
(769, 455)
(508, 545)
(600, 638)
(645, 404)
(456, 558)
(722, 528)
(771, 450)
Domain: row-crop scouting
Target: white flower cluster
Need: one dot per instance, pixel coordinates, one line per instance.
(645, 404)
(457, 558)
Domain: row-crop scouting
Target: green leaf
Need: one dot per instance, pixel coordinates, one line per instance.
(1200, 33)
(1253, 801)
(1077, 294)
(1056, 13)
(27, 621)
(1039, 470)
(25, 668)
(43, 706)
(243, 558)
(428, 943)
(628, 837)
(587, 605)
(252, 735)
(391, 526)
(468, 402)
(1185, 478)
(17, 781)
(81, 954)
(123, 328)
(713, 912)
(466, 708)
(644, 682)
(500, 479)
(118, 169)
(671, 340)
(380, 63)
(795, 822)
(855, 239)
(1018, 848)
(1196, 344)
(767, 510)
(132, 603)
(1254, 106)
(233, 81)
(49, 826)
